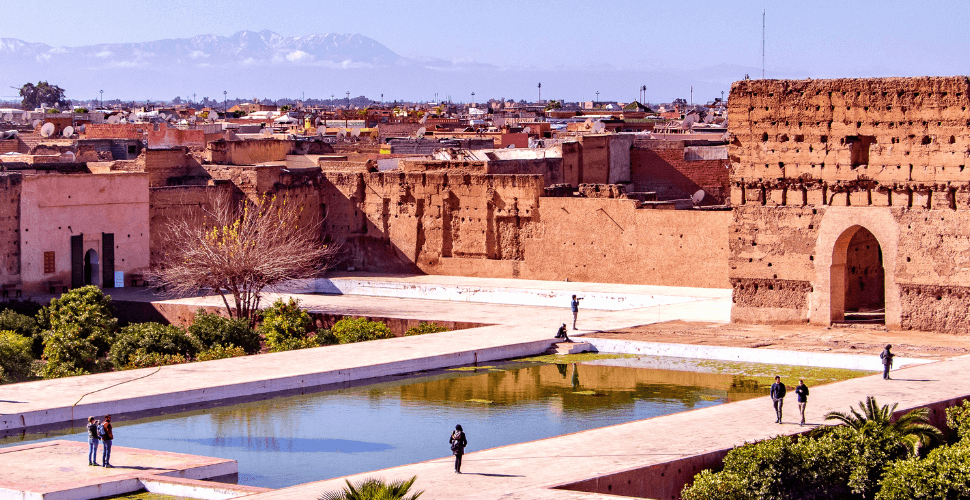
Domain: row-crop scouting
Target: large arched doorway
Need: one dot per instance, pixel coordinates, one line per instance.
(92, 271)
(858, 278)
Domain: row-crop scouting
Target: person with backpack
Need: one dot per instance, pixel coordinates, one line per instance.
(458, 444)
(93, 441)
(778, 396)
(887, 361)
(106, 433)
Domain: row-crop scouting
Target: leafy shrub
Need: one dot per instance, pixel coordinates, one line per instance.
(424, 328)
(214, 330)
(944, 473)
(958, 419)
(86, 309)
(326, 337)
(68, 352)
(145, 339)
(350, 330)
(15, 357)
(219, 351)
(285, 327)
(144, 359)
(833, 462)
(25, 326)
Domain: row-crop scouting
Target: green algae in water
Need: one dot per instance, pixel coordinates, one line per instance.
(482, 401)
(589, 393)
(557, 359)
(470, 368)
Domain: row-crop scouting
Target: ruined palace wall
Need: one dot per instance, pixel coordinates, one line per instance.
(498, 226)
(814, 159)
(10, 191)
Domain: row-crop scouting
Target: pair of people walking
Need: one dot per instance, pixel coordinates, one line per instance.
(103, 433)
(778, 392)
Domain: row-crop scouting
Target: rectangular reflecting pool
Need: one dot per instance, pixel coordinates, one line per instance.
(296, 439)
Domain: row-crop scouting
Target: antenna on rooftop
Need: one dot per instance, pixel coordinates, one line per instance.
(698, 197)
(47, 130)
(68, 131)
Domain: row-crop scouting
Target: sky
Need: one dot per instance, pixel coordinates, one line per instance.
(817, 39)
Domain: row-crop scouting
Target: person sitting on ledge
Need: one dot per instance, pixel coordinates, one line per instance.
(561, 334)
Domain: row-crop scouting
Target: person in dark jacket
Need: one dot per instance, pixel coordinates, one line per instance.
(778, 397)
(458, 444)
(93, 441)
(802, 392)
(887, 360)
(106, 432)
(561, 334)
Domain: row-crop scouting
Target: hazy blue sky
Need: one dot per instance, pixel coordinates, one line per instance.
(817, 37)
(804, 38)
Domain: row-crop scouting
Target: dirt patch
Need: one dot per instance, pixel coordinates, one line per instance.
(843, 340)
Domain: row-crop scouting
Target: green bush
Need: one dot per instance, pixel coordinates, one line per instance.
(424, 328)
(68, 352)
(15, 357)
(350, 330)
(943, 474)
(958, 419)
(285, 327)
(832, 462)
(219, 351)
(212, 330)
(144, 359)
(147, 339)
(326, 337)
(88, 310)
(25, 326)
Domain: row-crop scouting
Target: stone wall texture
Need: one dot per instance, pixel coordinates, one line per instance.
(815, 161)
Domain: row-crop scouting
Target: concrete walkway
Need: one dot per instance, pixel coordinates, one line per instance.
(528, 470)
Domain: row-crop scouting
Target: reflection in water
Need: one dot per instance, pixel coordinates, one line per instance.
(292, 440)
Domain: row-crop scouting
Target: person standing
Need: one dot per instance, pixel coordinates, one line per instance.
(802, 393)
(887, 361)
(458, 444)
(574, 305)
(93, 441)
(777, 392)
(106, 433)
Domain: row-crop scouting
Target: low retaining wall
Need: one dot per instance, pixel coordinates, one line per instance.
(205, 490)
(747, 354)
(183, 315)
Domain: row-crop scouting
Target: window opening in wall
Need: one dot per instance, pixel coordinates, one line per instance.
(49, 263)
(859, 146)
(799, 137)
(858, 278)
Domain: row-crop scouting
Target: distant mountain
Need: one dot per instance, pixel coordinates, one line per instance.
(265, 64)
(243, 48)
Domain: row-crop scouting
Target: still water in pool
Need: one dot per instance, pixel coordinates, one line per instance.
(297, 439)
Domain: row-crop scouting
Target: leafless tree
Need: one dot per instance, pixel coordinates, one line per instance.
(239, 250)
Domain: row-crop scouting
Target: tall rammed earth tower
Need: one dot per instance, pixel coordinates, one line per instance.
(852, 201)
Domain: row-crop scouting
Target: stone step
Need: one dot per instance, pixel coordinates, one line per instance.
(563, 348)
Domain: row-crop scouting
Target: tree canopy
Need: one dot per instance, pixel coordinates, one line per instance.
(42, 94)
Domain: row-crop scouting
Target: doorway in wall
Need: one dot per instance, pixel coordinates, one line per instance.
(858, 278)
(92, 270)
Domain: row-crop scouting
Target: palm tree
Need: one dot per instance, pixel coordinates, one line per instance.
(914, 427)
(374, 489)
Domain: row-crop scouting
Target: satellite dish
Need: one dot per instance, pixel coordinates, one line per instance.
(420, 132)
(68, 131)
(341, 135)
(35, 123)
(689, 121)
(8, 117)
(355, 132)
(423, 120)
(709, 118)
(698, 196)
(527, 130)
(599, 127)
(82, 128)
(318, 121)
(321, 132)
(588, 123)
(213, 115)
(47, 130)
(114, 119)
(67, 157)
(266, 132)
